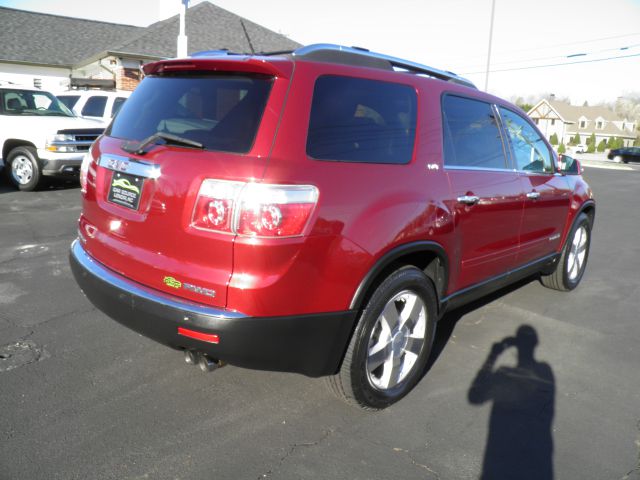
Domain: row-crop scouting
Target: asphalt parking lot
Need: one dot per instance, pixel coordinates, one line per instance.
(83, 398)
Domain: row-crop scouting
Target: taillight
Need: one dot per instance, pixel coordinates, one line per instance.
(254, 209)
(84, 169)
(215, 205)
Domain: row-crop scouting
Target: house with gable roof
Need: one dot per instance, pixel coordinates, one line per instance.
(57, 53)
(565, 120)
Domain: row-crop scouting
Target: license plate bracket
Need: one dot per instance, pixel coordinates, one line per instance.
(125, 190)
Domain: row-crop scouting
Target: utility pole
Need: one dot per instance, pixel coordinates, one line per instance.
(182, 37)
(486, 78)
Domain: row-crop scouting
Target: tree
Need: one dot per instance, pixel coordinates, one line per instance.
(591, 140)
(562, 149)
(576, 139)
(619, 143)
(611, 142)
(553, 140)
(602, 145)
(637, 142)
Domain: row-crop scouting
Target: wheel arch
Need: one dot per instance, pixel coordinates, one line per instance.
(12, 143)
(430, 257)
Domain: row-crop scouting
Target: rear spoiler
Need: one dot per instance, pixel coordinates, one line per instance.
(279, 67)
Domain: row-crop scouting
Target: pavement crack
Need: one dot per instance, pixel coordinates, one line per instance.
(292, 449)
(635, 470)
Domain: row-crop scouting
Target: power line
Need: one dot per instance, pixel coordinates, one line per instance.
(548, 47)
(554, 64)
(557, 57)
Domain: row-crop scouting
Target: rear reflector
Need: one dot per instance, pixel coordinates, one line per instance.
(205, 337)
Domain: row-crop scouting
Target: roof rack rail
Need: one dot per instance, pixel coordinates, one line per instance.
(359, 56)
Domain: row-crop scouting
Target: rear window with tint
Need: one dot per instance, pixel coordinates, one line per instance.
(359, 120)
(222, 112)
(471, 134)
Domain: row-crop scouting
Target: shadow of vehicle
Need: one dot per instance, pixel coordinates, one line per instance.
(519, 442)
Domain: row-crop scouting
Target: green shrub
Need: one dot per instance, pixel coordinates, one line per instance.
(553, 140)
(602, 145)
(562, 149)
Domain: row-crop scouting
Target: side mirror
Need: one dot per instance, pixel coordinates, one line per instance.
(569, 166)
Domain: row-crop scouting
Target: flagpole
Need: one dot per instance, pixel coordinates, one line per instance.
(182, 37)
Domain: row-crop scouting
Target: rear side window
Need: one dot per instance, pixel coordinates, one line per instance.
(117, 105)
(222, 112)
(530, 150)
(69, 100)
(359, 120)
(94, 107)
(471, 134)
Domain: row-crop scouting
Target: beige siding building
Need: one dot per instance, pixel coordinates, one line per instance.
(566, 121)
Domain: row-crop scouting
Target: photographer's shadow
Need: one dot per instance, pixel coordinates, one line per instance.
(519, 442)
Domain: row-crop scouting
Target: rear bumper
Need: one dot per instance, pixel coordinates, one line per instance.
(309, 344)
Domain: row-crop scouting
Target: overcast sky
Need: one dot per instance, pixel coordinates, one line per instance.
(528, 36)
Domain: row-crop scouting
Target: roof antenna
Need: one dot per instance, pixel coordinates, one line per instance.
(246, 34)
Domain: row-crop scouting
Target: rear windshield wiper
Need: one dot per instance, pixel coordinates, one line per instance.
(139, 148)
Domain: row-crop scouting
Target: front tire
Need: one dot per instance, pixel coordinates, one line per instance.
(392, 342)
(570, 268)
(23, 168)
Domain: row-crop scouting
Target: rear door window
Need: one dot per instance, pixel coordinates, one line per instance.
(94, 107)
(471, 134)
(530, 150)
(117, 105)
(222, 112)
(359, 120)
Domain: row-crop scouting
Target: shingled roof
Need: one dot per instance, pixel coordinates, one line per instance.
(208, 27)
(43, 39)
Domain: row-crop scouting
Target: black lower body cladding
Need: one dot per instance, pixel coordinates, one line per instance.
(309, 344)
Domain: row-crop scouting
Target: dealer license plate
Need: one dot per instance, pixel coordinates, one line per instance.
(125, 190)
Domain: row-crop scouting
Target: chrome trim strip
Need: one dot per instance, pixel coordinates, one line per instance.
(118, 163)
(478, 169)
(119, 282)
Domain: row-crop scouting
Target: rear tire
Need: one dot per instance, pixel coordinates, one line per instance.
(392, 341)
(23, 168)
(573, 261)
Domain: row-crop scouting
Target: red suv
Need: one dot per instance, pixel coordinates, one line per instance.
(318, 211)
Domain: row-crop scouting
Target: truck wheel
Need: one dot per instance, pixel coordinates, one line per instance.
(573, 261)
(392, 342)
(23, 168)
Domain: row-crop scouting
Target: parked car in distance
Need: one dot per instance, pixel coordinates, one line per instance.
(98, 105)
(625, 155)
(322, 222)
(40, 137)
(580, 148)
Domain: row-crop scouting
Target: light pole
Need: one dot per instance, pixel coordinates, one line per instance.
(486, 78)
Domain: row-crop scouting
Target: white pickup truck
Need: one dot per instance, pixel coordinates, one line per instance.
(40, 137)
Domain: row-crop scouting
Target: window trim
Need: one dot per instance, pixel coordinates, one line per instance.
(514, 161)
(508, 161)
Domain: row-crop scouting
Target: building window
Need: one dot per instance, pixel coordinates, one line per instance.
(553, 121)
(599, 125)
(536, 120)
(583, 123)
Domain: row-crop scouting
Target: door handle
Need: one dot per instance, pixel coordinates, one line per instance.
(533, 195)
(468, 199)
